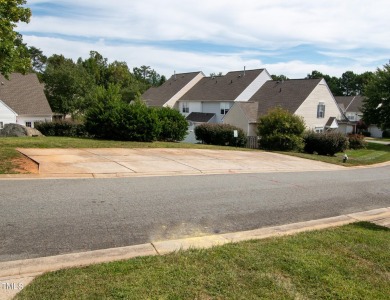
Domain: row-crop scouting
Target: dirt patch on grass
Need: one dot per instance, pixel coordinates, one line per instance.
(24, 165)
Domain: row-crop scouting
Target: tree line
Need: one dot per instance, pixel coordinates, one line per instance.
(71, 86)
(349, 84)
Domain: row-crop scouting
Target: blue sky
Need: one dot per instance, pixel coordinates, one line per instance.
(286, 37)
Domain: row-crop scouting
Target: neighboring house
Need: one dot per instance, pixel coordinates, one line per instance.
(217, 94)
(22, 101)
(194, 92)
(170, 91)
(351, 106)
(309, 98)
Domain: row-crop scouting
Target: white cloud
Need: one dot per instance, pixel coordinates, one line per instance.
(132, 30)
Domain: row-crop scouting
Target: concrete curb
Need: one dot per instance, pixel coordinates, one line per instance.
(23, 271)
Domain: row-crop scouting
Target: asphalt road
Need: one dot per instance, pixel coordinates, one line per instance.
(49, 217)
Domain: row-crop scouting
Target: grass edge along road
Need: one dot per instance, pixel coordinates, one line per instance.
(348, 262)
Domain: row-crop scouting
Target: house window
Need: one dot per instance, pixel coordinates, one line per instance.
(321, 110)
(28, 124)
(1, 125)
(224, 108)
(186, 107)
(319, 129)
(351, 117)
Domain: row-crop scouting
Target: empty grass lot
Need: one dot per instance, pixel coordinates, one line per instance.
(349, 262)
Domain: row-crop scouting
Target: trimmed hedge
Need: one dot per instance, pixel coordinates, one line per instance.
(326, 143)
(62, 128)
(220, 134)
(356, 141)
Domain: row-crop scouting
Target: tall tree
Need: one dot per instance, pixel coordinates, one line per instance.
(38, 59)
(361, 81)
(333, 82)
(13, 53)
(376, 106)
(67, 86)
(348, 83)
(96, 65)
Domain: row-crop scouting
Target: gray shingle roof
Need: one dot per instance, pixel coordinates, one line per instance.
(200, 117)
(288, 94)
(221, 88)
(158, 96)
(250, 110)
(24, 94)
(330, 121)
(350, 103)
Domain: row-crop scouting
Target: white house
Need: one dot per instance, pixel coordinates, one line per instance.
(216, 95)
(351, 106)
(22, 101)
(194, 92)
(309, 98)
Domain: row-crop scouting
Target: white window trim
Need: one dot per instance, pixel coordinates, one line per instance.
(1, 125)
(185, 108)
(224, 108)
(321, 110)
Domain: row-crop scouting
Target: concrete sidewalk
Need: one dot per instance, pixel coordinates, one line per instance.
(111, 163)
(15, 275)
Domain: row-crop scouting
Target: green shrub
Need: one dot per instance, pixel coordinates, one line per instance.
(220, 134)
(281, 130)
(111, 118)
(325, 143)
(356, 141)
(62, 128)
(174, 125)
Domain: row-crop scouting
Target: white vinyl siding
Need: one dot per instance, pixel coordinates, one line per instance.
(308, 109)
(7, 115)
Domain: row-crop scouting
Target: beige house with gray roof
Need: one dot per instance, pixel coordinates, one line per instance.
(22, 101)
(309, 98)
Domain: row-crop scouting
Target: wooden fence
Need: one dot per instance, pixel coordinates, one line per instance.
(252, 142)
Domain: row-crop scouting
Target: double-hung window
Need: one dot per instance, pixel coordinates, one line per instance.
(224, 108)
(321, 110)
(1, 125)
(186, 107)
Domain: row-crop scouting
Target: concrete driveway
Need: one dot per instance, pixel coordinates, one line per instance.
(114, 162)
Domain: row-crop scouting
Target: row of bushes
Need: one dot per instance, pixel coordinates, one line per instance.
(62, 128)
(329, 143)
(220, 134)
(122, 121)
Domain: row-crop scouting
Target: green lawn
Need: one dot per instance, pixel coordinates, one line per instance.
(349, 262)
(373, 154)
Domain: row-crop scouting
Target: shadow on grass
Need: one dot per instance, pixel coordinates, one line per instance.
(370, 226)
